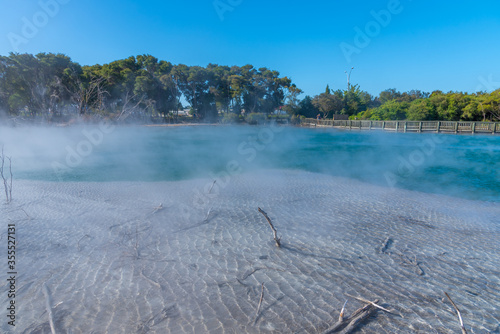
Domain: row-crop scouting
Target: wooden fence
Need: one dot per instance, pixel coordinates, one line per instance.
(408, 126)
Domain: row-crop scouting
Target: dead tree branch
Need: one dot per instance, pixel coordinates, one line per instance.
(260, 304)
(372, 303)
(347, 325)
(150, 280)
(213, 184)
(275, 233)
(48, 305)
(158, 208)
(7, 182)
(341, 315)
(458, 313)
(128, 109)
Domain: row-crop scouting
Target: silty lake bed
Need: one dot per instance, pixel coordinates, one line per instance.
(374, 216)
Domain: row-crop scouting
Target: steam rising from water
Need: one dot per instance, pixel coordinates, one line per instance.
(464, 166)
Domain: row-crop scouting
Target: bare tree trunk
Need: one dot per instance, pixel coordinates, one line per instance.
(126, 109)
(496, 114)
(7, 183)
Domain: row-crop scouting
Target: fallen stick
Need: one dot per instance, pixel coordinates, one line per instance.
(275, 233)
(150, 280)
(341, 322)
(414, 263)
(361, 315)
(136, 246)
(372, 303)
(27, 215)
(210, 190)
(158, 208)
(350, 323)
(341, 315)
(208, 214)
(387, 243)
(78, 244)
(260, 304)
(49, 308)
(458, 313)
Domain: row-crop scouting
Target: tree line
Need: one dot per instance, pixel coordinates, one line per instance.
(394, 105)
(48, 84)
(51, 85)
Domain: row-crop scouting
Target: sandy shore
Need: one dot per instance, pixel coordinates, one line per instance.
(114, 261)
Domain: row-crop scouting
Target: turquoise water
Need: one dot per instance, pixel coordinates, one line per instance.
(456, 165)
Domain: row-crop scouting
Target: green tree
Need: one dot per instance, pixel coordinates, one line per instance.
(307, 108)
(328, 104)
(421, 110)
(292, 106)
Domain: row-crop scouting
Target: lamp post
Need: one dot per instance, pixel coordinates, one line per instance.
(349, 78)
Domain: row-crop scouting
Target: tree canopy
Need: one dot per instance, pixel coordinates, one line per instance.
(47, 84)
(451, 106)
(412, 105)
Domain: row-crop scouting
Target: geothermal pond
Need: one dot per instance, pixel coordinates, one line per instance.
(123, 230)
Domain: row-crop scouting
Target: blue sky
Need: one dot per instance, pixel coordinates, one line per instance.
(415, 44)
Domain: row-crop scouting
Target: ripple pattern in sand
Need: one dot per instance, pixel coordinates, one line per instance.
(113, 263)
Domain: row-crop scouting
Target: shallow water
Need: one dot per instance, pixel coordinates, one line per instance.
(113, 261)
(114, 264)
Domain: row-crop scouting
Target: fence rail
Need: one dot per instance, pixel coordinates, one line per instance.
(408, 126)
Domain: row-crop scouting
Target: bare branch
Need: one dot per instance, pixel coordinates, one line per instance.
(128, 110)
(212, 186)
(49, 308)
(208, 214)
(347, 325)
(7, 184)
(458, 313)
(260, 303)
(275, 233)
(372, 303)
(158, 208)
(341, 315)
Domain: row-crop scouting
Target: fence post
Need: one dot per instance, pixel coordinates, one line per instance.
(405, 127)
(438, 126)
(383, 125)
(420, 127)
(473, 127)
(371, 127)
(456, 127)
(397, 126)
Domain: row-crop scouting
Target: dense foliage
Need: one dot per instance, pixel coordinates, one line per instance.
(452, 106)
(394, 105)
(50, 84)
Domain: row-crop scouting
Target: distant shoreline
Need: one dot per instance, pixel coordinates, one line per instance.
(183, 124)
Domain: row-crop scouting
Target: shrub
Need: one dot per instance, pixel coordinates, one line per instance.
(255, 118)
(230, 118)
